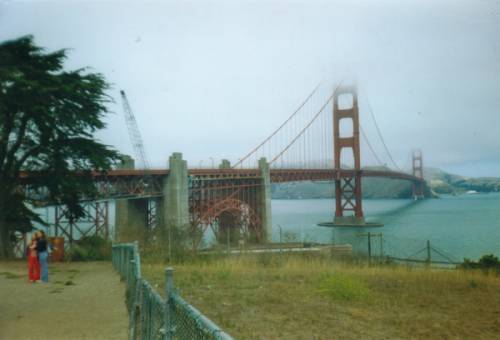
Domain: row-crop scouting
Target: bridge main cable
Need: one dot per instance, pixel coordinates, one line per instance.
(278, 129)
(307, 126)
(370, 145)
(380, 134)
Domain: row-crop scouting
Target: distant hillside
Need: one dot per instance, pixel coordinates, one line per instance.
(445, 183)
(439, 182)
(372, 188)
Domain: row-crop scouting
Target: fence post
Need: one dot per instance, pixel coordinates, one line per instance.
(135, 304)
(428, 252)
(130, 263)
(137, 260)
(369, 247)
(144, 301)
(122, 262)
(281, 244)
(119, 260)
(169, 286)
(381, 246)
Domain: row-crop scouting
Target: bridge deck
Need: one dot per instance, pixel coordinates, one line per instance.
(277, 175)
(130, 183)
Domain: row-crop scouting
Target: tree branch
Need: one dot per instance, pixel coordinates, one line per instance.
(4, 139)
(11, 154)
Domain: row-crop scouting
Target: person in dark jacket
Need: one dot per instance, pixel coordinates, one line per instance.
(43, 255)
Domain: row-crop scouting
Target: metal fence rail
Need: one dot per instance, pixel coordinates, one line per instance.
(151, 316)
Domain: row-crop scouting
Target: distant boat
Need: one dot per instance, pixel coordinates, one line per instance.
(471, 192)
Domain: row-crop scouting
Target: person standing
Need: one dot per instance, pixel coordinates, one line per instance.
(33, 264)
(41, 247)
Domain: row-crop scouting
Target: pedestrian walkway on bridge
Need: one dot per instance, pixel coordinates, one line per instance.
(83, 300)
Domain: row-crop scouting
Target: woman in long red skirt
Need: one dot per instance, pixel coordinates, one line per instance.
(33, 264)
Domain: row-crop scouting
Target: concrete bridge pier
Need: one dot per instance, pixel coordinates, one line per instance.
(265, 213)
(174, 212)
(225, 164)
(126, 163)
(131, 219)
(172, 215)
(131, 214)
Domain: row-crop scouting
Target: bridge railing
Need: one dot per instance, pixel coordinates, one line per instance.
(154, 317)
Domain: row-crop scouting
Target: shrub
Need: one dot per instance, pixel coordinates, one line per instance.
(90, 248)
(486, 262)
(489, 261)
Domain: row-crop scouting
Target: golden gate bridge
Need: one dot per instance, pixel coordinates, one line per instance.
(322, 140)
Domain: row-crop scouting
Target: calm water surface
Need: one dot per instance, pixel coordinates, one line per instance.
(462, 226)
(458, 227)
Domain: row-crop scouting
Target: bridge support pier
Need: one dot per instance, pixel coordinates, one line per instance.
(131, 219)
(126, 163)
(175, 208)
(225, 164)
(265, 200)
(131, 215)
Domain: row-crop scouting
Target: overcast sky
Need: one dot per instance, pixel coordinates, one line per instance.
(213, 78)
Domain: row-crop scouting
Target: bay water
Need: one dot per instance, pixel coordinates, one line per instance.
(458, 227)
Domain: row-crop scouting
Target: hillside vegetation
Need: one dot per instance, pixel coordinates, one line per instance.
(438, 182)
(372, 188)
(445, 183)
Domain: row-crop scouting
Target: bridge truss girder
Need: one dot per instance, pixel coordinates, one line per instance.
(212, 199)
(95, 222)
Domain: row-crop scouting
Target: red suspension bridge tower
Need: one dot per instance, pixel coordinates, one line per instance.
(347, 184)
(418, 171)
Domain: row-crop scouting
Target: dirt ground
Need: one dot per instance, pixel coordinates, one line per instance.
(81, 301)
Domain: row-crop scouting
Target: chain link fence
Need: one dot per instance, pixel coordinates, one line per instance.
(151, 316)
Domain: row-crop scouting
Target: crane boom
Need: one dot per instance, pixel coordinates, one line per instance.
(134, 133)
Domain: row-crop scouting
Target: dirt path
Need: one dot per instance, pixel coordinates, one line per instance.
(81, 301)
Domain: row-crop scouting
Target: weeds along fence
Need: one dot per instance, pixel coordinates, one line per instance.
(153, 317)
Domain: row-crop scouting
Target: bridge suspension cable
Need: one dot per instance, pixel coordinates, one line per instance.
(380, 134)
(304, 129)
(305, 139)
(370, 145)
(240, 161)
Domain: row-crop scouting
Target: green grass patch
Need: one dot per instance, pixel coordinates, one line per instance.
(56, 291)
(342, 287)
(9, 275)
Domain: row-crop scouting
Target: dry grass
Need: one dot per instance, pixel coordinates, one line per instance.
(309, 297)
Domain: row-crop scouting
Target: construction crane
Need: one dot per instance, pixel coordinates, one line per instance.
(134, 133)
(140, 154)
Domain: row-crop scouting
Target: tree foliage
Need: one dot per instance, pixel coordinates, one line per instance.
(48, 118)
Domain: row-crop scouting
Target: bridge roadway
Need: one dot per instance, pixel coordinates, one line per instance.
(277, 175)
(120, 183)
(200, 198)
